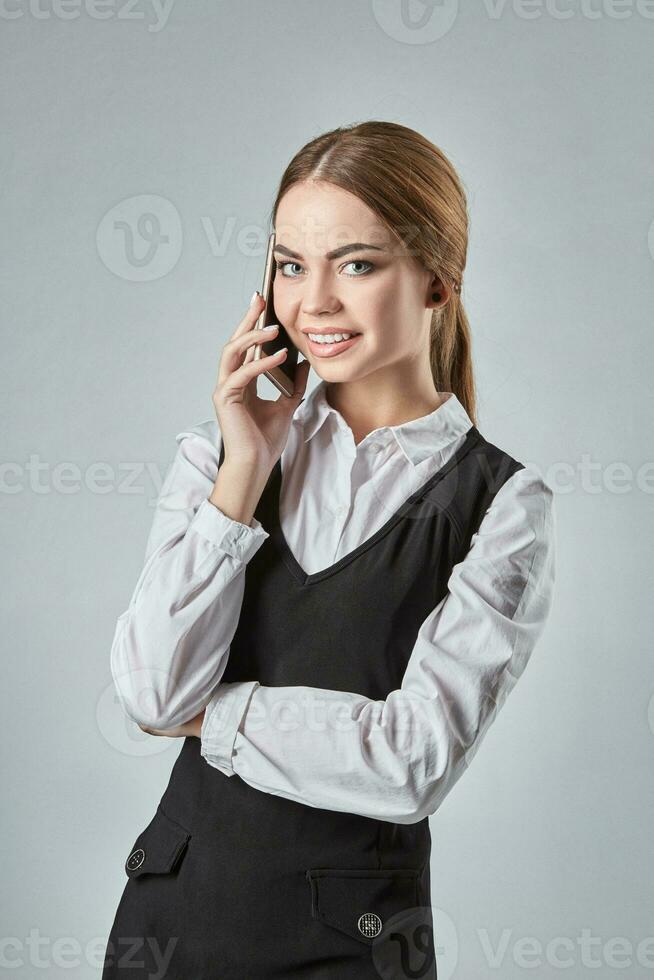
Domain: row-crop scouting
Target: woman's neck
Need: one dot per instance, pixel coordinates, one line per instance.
(366, 407)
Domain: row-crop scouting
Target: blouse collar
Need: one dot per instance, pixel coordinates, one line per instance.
(418, 439)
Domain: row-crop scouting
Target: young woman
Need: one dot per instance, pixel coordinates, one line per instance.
(338, 595)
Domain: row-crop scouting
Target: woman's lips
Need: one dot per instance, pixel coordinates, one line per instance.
(331, 350)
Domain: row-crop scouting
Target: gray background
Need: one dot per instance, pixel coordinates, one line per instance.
(108, 352)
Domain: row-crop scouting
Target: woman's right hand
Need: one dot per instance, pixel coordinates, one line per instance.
(254, 430)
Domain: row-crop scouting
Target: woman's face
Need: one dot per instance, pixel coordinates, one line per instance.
(381, 293)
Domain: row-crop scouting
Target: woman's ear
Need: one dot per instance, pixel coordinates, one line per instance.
(440, 293)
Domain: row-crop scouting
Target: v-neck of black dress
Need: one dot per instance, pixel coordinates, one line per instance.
(281, 544)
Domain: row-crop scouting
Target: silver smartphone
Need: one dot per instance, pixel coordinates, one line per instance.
(282, 375)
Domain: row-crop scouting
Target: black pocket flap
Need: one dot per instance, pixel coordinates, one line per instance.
(158, 848)
(360, 901)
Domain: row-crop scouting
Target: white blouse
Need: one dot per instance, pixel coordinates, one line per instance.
(391, 760)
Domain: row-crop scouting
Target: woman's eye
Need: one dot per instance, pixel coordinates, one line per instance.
(360, 262)
(281, 265)
(356, 275)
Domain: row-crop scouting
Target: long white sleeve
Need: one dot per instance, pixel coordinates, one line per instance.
(397, 759)
(171, 645)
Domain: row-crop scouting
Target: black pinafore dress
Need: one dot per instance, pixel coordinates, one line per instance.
(230, 882)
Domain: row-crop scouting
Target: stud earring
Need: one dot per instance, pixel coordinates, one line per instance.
(436, 297)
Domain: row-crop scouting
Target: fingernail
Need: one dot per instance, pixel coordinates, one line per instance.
(271, 326)
(254, 296)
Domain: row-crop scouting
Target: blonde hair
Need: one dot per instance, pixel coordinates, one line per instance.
(411, 186)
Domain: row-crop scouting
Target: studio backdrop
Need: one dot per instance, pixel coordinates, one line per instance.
(143, 146)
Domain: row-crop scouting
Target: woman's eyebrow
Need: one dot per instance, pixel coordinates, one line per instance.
(336, 253)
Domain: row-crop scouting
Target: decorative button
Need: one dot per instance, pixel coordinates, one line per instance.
(370, 924)
(135, 860)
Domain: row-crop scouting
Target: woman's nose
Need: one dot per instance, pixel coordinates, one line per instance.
(317, 299)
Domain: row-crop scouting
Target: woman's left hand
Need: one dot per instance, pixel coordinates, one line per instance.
(191, 727)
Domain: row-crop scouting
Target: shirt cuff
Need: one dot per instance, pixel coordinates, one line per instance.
(239, 540)
(222, 718)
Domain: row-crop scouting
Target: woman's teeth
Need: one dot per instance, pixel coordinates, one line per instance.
(330, 338)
